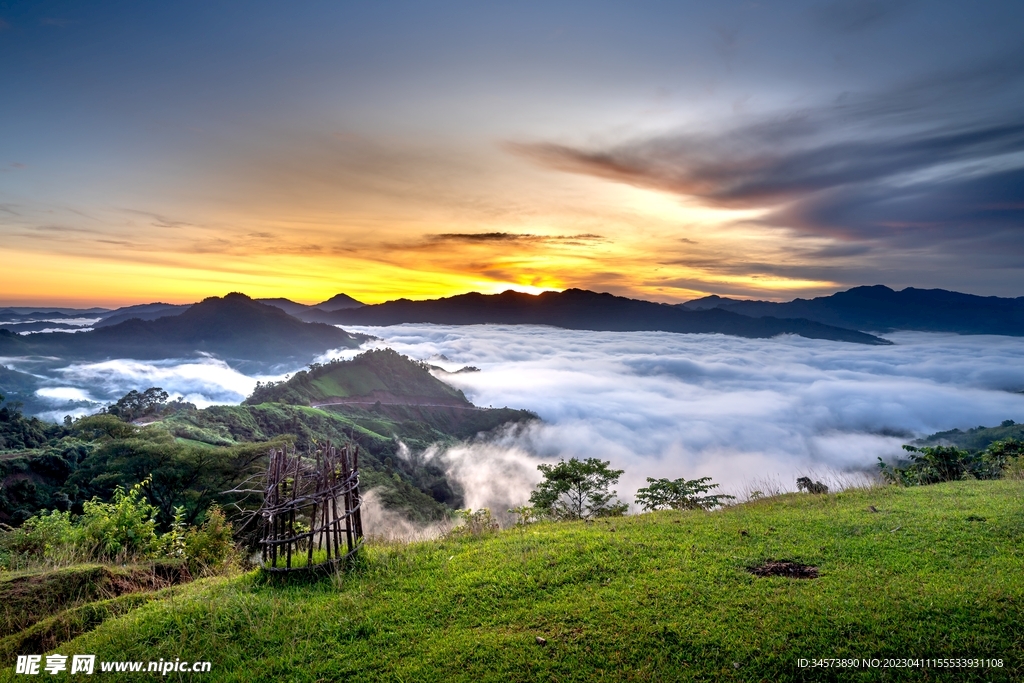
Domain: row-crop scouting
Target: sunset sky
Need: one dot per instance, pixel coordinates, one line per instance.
(661, 150)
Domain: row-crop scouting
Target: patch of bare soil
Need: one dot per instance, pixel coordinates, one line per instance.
(793, 570)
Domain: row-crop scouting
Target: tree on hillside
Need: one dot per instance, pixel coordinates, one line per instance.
(134, 405)
(680, 494)
(578, 489)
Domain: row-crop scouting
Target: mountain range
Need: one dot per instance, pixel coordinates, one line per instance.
(881, 309)
(579, 309)
(234, 328)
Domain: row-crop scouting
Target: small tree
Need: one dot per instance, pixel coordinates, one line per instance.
(680, 494)
(577, 489)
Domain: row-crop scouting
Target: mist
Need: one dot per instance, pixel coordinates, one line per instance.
(84, 388)
(741, 411)
(747, 413)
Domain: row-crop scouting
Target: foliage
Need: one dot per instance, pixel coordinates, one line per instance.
(934, 464)
(525, 514)
(135, 405)
(50, 537)
(123, 528)
(173, 542)
(207, 548)
(977, 438)
(474, 522)
(1001, 454)
(680, 494)
(19, 432)
(577, 489)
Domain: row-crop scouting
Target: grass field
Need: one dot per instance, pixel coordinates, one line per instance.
(930, 572)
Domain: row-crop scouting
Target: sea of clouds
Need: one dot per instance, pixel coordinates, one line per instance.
(745, 412)
(748, 413)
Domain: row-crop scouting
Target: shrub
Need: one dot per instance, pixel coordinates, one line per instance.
(524, 514)
(680, 494)
(49, 537)
(209, 547)
(934, 464)
(123, 528)
(474, 522)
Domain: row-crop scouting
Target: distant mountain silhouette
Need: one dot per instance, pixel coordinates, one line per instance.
(287, 305)
(234, 328)
(579, 309)
(141, 312)
(338, 302)
(154, 311)
(881, 309)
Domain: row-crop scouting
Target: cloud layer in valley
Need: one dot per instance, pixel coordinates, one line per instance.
(667, 405)
(83, 388)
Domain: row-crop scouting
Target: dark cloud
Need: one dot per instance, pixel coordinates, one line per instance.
(777, 161)
(488, 237)
(908, 168)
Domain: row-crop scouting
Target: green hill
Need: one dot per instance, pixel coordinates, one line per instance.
(382, 374)
(903, 573)
(976, 438)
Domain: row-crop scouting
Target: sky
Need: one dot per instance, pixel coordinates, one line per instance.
(660, 150)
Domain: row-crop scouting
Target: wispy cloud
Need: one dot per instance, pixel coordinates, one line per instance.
(909, 168)
(475, 237)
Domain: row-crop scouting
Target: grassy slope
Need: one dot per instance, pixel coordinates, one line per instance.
(380, 370)
(652, 597)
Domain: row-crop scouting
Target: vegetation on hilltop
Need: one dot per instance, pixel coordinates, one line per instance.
(374, 373)
(974, 439)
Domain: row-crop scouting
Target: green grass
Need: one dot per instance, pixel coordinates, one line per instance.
(29, 596)
(655, 597)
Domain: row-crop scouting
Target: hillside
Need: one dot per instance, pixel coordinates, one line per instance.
(880, 309)
(976, 438)
(234, 328)
(929, 572)
(382, 375)
(142, 312)
(578, 309)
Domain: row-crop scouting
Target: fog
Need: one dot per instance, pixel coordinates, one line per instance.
(749, 413)
(745, 412)
(84, 388)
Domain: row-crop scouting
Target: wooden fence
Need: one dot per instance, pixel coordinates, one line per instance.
(311, 515)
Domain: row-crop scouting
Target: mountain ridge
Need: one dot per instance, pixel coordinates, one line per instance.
(878, 308)
(234, 327)
(585, 310)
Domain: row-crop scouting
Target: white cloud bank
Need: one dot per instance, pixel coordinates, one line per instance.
(656, 404)
(739, 410)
